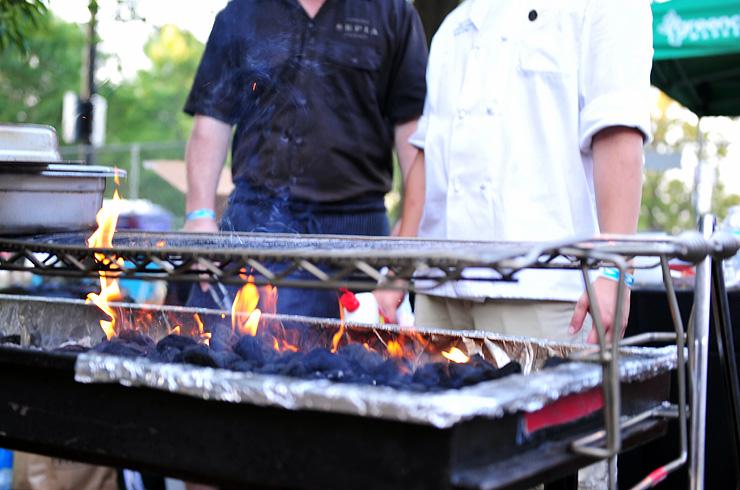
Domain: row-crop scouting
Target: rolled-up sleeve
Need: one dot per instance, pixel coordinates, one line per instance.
(614, 73)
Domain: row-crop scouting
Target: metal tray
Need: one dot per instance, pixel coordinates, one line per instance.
(54, 198)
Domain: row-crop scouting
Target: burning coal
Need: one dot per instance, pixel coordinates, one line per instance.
(352, 363)
(253, 339)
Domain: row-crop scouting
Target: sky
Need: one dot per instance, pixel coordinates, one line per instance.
(125, 41)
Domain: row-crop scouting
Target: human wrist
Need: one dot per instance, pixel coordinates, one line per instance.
(613, 274)
(201, 213)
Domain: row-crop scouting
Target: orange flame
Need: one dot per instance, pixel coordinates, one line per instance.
(160, 244)
(245, 315)
(289, 347)
(340, 333)
(395, 349)
(456, 355)
(283, 345)
(205, 337)
(107, 219)
(251, 326)
(269, 299)
(176, 330)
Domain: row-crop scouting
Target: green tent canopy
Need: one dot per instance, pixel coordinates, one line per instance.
(697, 54)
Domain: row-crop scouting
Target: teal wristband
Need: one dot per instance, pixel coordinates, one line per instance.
(200, 214)
(613, 274)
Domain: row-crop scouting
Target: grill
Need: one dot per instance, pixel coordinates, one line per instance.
(238, 429)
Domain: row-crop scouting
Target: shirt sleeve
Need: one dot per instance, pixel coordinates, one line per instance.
(614, 73)
(405, 101)
(218, 88)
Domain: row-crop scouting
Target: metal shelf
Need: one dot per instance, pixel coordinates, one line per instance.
(317, 261)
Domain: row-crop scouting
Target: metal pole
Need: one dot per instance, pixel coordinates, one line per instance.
(88, 82)
(727, 359)
(133, 174)
(700, 327)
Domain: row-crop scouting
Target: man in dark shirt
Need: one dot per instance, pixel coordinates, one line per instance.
(319, 92)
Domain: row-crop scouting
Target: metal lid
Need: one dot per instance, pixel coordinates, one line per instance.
(64, 169)
(28, 143)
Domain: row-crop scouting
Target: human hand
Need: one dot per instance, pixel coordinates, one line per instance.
(606, 294)
(388, 302)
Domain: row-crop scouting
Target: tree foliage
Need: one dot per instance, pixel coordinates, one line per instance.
(16, 18)
(149, 107)
(33, 82)
(667, 202)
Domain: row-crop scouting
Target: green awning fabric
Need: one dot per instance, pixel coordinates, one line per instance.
(697, 54)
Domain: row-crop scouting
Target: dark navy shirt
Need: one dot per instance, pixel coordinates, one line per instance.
(314, 101)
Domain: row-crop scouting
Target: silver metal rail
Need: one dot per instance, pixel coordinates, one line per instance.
(699, 358)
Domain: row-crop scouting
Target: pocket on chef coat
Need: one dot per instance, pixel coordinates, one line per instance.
(544, 45)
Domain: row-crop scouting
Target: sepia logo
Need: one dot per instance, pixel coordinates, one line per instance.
(358, 28)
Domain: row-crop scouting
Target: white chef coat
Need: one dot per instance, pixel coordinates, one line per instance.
(516, 91)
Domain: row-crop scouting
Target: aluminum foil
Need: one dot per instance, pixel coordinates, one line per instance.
(490, 399)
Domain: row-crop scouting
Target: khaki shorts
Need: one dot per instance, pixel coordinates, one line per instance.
(519, 318)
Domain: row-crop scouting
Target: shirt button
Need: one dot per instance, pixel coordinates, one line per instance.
(532, 15)
(490, 111)
(312, 25)
(462, 113)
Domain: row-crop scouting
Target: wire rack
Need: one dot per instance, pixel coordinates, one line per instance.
(317, 261)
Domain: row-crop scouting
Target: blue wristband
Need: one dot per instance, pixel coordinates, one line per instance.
(201, 214)
(613, 274)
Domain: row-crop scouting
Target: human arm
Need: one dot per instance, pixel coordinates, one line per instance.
(617, 154)
(411, 161)
(614, 123)
(404, 106)
(204, 158)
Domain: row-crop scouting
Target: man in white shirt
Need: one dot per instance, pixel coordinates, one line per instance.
(533, 128)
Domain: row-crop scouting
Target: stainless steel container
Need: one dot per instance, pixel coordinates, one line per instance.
(28, 142)
(50, 198)
(38, 192)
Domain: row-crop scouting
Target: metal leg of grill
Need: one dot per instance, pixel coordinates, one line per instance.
(726, 350)
(700, 358)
